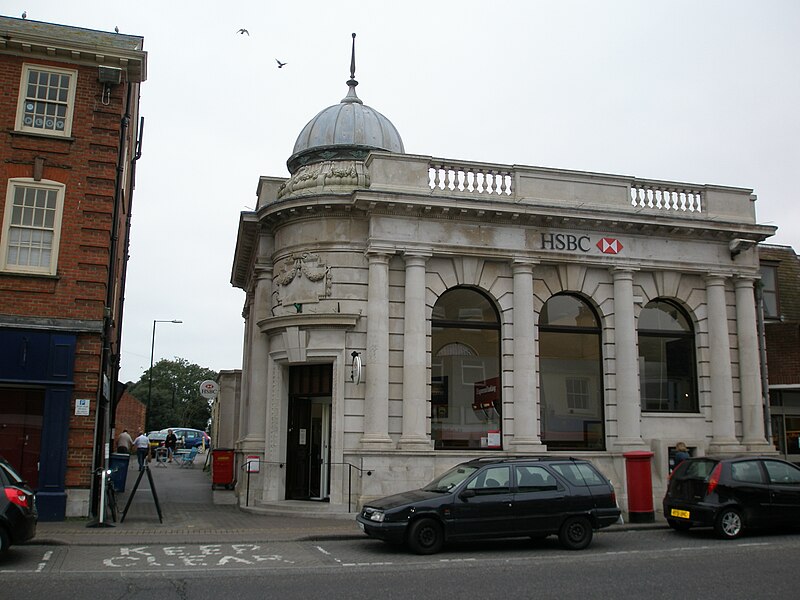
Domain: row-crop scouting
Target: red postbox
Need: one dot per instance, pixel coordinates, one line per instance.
(638, 476)
(221, 467)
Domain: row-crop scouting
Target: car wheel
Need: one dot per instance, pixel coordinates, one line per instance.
(5, 542)
(425, 536)
(678, 525)
(729, 524)
(576, 533)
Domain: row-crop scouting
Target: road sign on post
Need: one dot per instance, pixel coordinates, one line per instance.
(209, 389)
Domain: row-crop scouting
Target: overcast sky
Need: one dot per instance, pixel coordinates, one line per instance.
(685, 90)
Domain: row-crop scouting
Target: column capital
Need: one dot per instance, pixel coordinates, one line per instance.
(523, 264)
(622, 272)
(416, 257)
(712, 278)
(745, 280)
(376, 252)
(263, 270)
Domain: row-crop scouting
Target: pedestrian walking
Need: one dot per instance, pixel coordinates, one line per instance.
(142, 445)
(124, 442)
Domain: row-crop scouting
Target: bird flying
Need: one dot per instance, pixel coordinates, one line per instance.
(280, 64)
(243, 31)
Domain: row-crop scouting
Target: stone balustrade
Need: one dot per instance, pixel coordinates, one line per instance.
(654, 196)
(473, 179)
(555, 188)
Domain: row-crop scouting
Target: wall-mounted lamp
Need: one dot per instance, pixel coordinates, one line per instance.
(740, 245)
(108, 76)
(355, 369)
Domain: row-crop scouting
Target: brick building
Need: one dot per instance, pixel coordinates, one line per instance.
(69, 123)
(780, 271)
(129, 414)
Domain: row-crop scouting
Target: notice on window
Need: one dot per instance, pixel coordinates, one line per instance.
(82, 407)
(302, 440)
(492, 439)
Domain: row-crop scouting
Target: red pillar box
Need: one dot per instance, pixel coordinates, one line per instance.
(222, 467)
(640, 486)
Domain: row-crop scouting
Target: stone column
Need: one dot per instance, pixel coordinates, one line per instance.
(629, 405)
(376, 363)
(525, 395)
(721, 384)
(415, 368)
(749, 365)
(258, 385)
(244, 399)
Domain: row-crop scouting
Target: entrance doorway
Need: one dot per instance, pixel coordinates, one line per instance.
(21, 415)
(308, 449)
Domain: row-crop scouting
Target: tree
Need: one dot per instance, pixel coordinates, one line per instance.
(174, 393)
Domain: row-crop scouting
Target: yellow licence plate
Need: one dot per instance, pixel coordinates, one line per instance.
(681, 514)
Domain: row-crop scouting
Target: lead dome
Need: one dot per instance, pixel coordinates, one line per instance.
(346, 130)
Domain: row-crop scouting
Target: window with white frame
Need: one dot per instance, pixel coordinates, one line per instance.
(32, 226)
(46, 100)
(769, 290)
(577, 393)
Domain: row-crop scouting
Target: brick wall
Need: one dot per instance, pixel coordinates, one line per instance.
(783, 337)
(130, 415)
(86, 164)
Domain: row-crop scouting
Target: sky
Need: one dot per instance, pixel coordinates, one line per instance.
(704, 92)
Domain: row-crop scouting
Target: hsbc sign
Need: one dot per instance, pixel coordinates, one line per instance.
(609, 245)
(579, 243)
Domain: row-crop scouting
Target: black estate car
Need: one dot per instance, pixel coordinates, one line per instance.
(498, 498)
(733, 494)
(17, 509)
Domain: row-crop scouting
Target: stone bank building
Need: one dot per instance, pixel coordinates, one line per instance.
(406, 312)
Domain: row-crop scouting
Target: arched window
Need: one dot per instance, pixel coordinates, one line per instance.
(667, 366)
(466, 404)
(570, 375)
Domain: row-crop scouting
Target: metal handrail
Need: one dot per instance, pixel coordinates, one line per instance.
(350, 466)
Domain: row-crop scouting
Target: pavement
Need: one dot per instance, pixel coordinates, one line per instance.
(191, 512)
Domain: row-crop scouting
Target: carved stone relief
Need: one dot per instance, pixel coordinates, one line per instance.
(302, 279)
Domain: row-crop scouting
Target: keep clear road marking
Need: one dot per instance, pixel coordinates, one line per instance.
(206, 555)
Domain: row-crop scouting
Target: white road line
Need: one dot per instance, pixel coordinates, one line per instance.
(321, 549)
(452, 560)
(45, 558)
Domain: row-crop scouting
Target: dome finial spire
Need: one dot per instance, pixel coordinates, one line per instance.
(352, 83)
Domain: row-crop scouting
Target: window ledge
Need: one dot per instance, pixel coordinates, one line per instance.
(28, 275)
(41, 136)
(664, 413)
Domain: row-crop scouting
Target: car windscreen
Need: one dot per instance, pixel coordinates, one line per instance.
(451, 479)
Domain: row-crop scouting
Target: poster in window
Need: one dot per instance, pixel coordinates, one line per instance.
(493, 439)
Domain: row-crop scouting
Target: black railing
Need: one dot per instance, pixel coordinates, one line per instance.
(350, 468)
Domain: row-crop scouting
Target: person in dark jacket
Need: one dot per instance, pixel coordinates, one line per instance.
(681, 453)
(170, 443)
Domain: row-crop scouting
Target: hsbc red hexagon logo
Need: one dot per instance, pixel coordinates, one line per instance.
(609, 245)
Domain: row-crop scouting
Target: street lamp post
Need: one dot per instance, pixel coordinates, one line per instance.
(150, 376)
